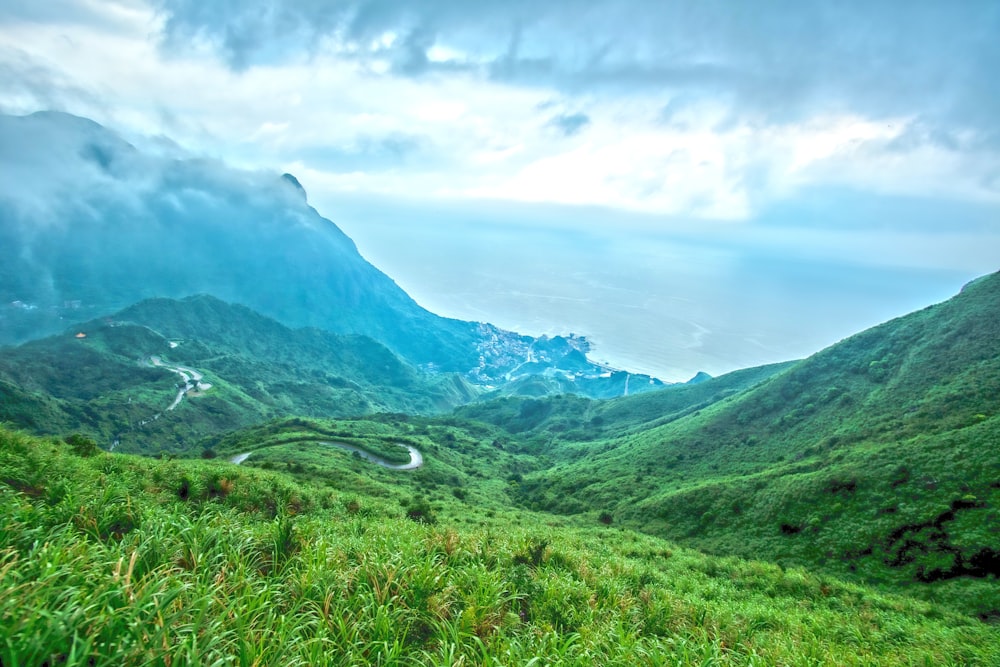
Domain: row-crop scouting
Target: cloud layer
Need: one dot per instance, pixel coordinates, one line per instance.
(699, 109)
(853, 133)
(778, 60)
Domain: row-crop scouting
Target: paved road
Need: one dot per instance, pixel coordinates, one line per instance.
(191, 378)
(416, 458)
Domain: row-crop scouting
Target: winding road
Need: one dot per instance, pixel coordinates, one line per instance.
(191, 378)
(192, 381)
(416, 458)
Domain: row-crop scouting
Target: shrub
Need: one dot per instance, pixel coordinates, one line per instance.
(790, 529)
(421, 512)
(533, 555)
(82, 445)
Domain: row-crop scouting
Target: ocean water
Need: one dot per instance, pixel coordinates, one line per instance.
(648, 302)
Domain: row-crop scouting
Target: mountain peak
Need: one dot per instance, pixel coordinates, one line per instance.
(294, 182)
(92, 224)
(700, 376)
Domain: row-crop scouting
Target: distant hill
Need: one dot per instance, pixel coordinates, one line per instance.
(98, 376)
(567, 419)
(878, 457)
(89, 224)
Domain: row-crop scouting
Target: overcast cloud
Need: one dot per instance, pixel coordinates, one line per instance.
(702, 109)
(812, 129)
(774, 59)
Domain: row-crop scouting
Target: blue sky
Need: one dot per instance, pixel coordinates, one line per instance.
(861, 137)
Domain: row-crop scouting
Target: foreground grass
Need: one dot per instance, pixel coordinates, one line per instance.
(117, 560)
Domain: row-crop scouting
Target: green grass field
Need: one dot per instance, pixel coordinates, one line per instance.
(125, 560)
(845, 509)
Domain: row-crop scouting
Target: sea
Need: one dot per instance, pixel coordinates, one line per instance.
(649, 301)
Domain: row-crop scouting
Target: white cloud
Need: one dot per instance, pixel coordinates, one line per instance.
(471, 136)
(845, 135)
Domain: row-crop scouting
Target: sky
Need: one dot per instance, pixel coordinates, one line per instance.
(697, 185)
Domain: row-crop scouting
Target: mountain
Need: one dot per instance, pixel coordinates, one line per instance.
(89, 224)
(141, 561)
(536, 422)
(99, 377)
(215, 313)
(878, 457)
(92, 224)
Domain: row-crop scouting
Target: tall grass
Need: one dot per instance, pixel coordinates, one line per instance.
(103, 563)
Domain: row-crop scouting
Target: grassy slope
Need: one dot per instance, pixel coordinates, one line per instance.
(542, 423)
(276, 356)
(134, 561)
(879, 455)
(462, 462)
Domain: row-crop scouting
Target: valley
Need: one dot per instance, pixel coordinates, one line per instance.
(805, 464)
(198, 466)
(857, 489)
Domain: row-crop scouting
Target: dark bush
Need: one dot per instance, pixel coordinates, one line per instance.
(841, 486)
(421, 512)
(789, 529)
(184, 490)
(82, 445)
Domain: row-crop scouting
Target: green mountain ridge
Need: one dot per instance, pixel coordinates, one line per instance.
(879, 456)
(119, 225)
(105, 385)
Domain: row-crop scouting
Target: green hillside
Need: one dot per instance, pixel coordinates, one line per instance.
(845, 507)
(126, 560)
(570, 418)
(105, 384)
(878, 457)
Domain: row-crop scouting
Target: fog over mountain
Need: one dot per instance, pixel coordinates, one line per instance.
(691, 185)
(91, 223)
(611, 332)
